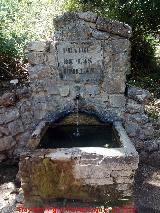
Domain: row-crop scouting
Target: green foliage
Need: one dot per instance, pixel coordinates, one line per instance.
(101, 7)
(20, 22)
(145, 21)
(23, 21)
(11, 68)
(153, 114)
(150, 82)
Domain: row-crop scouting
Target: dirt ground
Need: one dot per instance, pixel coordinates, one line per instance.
(146, 190)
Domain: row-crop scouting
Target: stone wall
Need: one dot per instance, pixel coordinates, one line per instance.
(17, 124)
(16, 121)
(89, 56)
(79, 173)
(83, 60)
(140, 128)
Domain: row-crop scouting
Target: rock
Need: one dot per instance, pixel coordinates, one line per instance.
(11, 186)
(118, 173)
(9, 115)
(157, 102)
(24, 106)
(124, 187)
(138, 118)
(100, 35)
(4, 131)
(37, 134)
(23, 138)
(65, 19)
(37, 46)
(115, 83)
(151, 145)
(2, 157)
(27, 119)
(117, 100)
(64, 91)
(36, 58)
(133, 107)
(143, 157)
(16, 127)
(138, 94)
(146, 131)
(88, 16)
(139, 144)
(50, 88)
(99, 181)
(6, 143)
(8, 99)
(14, 81)
(124, 180)
(23, 92)
(154, 159)
(132, 129)
(51, 60)
(114, 27)
(6, 196)
(90, 90)
(20, 198)
(39, 72)
(120, 45)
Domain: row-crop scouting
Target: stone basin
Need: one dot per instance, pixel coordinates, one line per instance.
(84, 173)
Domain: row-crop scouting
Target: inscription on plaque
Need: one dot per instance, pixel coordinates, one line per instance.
(80, 61)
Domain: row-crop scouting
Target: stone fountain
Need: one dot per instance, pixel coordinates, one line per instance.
(77, 76)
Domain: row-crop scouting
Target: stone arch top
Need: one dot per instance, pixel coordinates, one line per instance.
(87, 25)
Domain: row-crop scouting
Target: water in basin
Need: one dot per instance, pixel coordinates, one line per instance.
(65, 136)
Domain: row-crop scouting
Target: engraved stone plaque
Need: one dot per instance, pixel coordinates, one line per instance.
(80, 61)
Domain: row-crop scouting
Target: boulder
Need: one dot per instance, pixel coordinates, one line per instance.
(2, 157)
(8, 99)
(6, 143)
(88, 16)
(114, 27)
(39, 46)
(138, 94)
(4, 131)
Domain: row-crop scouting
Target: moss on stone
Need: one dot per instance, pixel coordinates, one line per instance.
(54, 179)
(51, 179)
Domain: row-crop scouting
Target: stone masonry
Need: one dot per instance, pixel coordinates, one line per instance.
(88, 56)
(51, 92)
(84, 173)
(140, 128)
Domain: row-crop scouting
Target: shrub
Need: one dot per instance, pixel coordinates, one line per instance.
(21, 22)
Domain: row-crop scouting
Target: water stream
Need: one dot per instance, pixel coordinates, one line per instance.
(77, 133)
